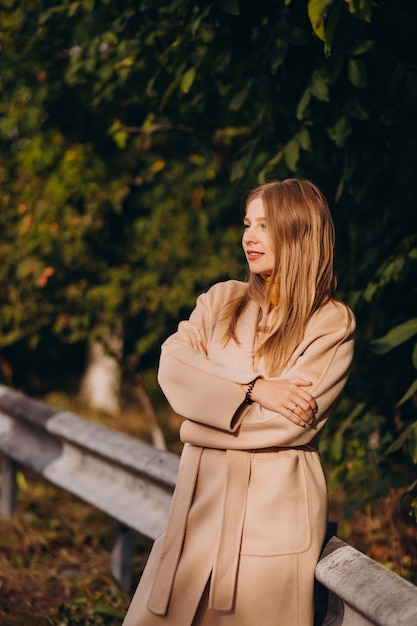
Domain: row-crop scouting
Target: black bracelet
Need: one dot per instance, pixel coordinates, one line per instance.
(248, 398)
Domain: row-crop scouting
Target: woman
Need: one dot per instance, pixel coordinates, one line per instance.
(256, 371)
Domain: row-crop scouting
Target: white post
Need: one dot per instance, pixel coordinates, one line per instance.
(121, 556)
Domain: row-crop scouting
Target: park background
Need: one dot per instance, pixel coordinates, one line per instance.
(129, 132)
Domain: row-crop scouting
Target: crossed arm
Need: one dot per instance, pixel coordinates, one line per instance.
(289, 397)
(203, 390)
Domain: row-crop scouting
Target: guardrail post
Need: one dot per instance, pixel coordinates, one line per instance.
(121, 556)
(8, 487)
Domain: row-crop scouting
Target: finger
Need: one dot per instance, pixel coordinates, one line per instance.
(304, 410)
(309, 405)
(201, 347)
(303, 398)
(300, 382)
(305, 414)
(293, 416)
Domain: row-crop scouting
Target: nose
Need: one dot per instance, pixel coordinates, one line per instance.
(249, 235)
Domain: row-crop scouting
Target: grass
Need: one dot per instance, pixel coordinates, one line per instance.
(55, 561)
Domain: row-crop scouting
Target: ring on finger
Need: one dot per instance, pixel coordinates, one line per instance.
(295, 407)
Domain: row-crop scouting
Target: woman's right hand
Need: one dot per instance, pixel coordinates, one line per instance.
(200, 347)
(287, 397)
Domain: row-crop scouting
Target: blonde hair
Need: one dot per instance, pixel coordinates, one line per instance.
(302, 237)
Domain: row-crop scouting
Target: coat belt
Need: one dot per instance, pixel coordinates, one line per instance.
(223, 579)
(175, 532)
(222, 587)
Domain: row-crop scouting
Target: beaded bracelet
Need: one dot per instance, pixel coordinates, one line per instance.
(248, 398)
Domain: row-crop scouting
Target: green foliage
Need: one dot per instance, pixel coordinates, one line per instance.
(390, 446)
(354, 447)
(408, 438)
(129, 132)
(94, 607)
(395, 337)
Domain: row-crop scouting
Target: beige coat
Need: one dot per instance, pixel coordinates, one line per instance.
(249, 513)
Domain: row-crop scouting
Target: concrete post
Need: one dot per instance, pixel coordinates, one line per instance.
(121, 556)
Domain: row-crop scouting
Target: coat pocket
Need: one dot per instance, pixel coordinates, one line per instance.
(277, 519)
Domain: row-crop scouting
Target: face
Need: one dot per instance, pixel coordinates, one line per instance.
(255, 241)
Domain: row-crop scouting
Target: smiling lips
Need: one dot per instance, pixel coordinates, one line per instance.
(253, 255)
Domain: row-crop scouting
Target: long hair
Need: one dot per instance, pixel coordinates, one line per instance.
(302, 236)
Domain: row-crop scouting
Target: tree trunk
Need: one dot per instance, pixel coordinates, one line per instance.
(100, 386)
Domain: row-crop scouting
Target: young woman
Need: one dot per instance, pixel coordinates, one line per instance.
(256, 371)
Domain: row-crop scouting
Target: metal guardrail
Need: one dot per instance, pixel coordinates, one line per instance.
(132, 482)
(361, 592)
(125, 478)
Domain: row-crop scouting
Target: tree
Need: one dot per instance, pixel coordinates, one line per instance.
(133, 131)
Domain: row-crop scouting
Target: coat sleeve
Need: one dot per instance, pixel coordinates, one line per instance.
(324, 358)
(195, 386)
(209, 394)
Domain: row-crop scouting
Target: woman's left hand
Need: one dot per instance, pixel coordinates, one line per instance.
(289, 397)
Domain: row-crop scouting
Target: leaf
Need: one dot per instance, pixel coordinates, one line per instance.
(187, 80)
(317, 12)
(126, 62)
(410, 489)
(106, 609)
(21, 481)
(362, 47)
(46, 15)
(303, 104)
(320, 85)
(279, 54)
(240, 98)
(340, 131)
(330, 28)
(241, 165)
(195, 25)
(271, 164)
(336, 447)
(292, 154)
(304, 139)
(324, 16)
(408, 394)
(361, 9)
(357, 73)
(395, 337)
(410, 435)
(356, 110)
(399, 442)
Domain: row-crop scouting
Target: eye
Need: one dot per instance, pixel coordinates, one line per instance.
(246, 225)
